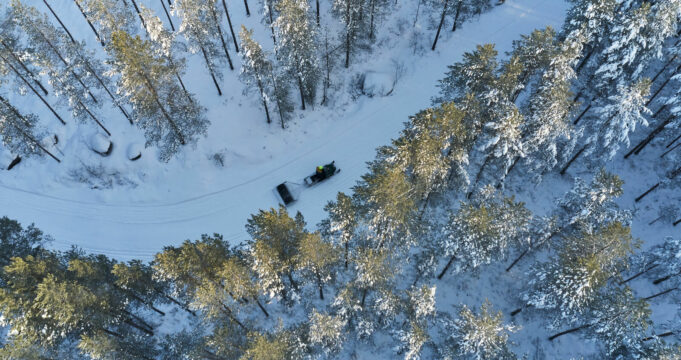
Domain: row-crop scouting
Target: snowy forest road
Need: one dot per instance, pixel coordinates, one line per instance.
(126, 230)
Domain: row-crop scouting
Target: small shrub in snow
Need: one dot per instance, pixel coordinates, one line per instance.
(99, 177)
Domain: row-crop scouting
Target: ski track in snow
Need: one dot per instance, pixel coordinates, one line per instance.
(126, 230)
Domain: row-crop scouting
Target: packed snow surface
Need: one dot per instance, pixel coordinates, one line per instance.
(195, 194)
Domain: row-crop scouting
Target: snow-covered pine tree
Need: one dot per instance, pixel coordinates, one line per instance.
(350, 14)
(569, 285)
(478, 336)
(24, 74)
(269, 14)
(594, 202)
(535, 52)
(375, 271)
(275, 346)
(433, 149)
(109, 16)
(592, 20)
(194, 269)
(201, 27)
(165, 43)
(136, 279)
(386, 200)
(663, 260)
(168, 117)
(341, 223)
(21, 134)
(502, 143)
(377, 9)
(475, 74)
(636, 39)
(483, 230)
(19, 241)
(317, 261)
(620, 321)
(412, 340)
(420, 311)
(256, 69)
(296, 47)
(502, 121)
(548, 109)
(327, 332)
(49, 50)
(616, 119)
(274, 250)
(236, 275)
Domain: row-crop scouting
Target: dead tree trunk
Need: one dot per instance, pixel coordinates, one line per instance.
(564, 169)
(674, 173)
(456, 15)
(33, 89)
(673, 141)
(23, 133)
(522, 254)
(660, 293)
(264, 101)
(113, 99)
(327, 78)
(586, 109)
(167, 15)
(317, 13)
(56, 51)
(210, 70)
(647, 192)
(92, 70)
(151, 88)
(638, 274)
(641, 145)
(552, 337)
(488, 158)
(23, 66)
(89, 23)
(271, 24)
(262, 308)
(248, 12)
(59, 21)
(222, 39)
(231, 29)
(276, 91)
(664, 334)
(302, 93)
(94, 118)
(670, 150)
(449, 263)
(439, 27)
(137, 10)
(371, 21)
(662, 86)
(347, 35)
(320, 285)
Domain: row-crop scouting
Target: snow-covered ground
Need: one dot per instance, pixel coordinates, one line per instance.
(191, 194)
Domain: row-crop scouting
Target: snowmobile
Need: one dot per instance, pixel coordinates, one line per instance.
(287, 193)
(322, 173)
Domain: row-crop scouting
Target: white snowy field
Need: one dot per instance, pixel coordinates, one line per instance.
(190, 195)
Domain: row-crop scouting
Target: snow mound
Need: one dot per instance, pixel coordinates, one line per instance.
(134, 151)
(377, 84)
(100, 144)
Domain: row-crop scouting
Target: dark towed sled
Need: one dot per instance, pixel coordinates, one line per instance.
(287, 193)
